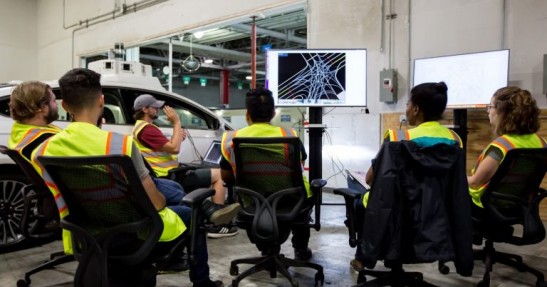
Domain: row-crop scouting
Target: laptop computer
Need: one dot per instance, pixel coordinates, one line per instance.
(211, 158)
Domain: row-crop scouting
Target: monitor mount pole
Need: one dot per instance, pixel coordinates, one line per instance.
(315, 138)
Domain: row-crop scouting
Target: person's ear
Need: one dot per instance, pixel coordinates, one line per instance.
(415, 110)
(63, 104)
(101, 101)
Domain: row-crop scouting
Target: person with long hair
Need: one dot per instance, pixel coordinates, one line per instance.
(514, 116)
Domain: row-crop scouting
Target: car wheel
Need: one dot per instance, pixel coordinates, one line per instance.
(12, 203)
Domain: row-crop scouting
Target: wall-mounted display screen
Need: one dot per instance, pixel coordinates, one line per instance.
(472, 79)
(317, 77)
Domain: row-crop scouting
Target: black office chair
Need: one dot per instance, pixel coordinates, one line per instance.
(40, 217)
(270, 188)
(512, 198)
(115, 228)
(406, 195)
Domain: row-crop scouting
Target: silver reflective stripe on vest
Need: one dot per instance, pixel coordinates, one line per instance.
(27, 138)
(400, 135)
(116, 144)
(504, 142)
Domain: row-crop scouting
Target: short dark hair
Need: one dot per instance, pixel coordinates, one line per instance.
(517, 111)
(80, 88)
(260, 105)
(431, 98)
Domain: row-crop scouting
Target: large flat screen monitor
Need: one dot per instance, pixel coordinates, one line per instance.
(317, 77)
(472, 79)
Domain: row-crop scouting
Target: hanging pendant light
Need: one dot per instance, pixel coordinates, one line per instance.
(191, 63)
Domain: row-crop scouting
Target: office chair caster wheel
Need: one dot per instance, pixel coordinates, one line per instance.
(23, 283)
(443, 269)
(235, 283)
(484, 283)
(234, 271)
(319, 277)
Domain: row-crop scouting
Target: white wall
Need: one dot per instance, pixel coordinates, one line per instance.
(18, 49)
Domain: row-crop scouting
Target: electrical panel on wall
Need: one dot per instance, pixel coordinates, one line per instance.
(388, 85)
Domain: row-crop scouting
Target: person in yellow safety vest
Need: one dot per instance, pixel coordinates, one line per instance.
(514, 115)
(82, 97)
(424, 109)
(33, 107)
(260, 111)
(161, 153)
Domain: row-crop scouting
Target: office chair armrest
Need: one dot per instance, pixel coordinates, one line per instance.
(195, 200)
(316, 186)
(350, 196)
(318, 183)
(178, 173)
(198, 195)
(348, 193)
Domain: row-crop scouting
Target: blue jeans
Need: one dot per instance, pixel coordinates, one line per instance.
(174, 193)
(200, 270)
(171, 190)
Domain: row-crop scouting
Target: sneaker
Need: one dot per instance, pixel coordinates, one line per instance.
(219, 231)
(209, 283)
(302, 254)
(356, 265)
(219, 214)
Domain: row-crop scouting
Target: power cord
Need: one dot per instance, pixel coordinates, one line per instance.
(189, 136)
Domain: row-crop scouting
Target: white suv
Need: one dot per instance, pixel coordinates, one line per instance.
(122, 82)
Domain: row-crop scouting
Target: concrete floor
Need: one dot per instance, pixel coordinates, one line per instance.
(330, 247)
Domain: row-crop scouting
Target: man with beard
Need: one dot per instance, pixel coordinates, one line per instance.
(161, 154)
(33, 107)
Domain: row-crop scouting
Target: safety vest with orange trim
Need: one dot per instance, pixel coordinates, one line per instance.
(161, 162)
(22, 135)
(84, 139)
(504, 143)
(425, 135)
(256, 130)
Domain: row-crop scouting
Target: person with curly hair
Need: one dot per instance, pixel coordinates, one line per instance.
(514, 116)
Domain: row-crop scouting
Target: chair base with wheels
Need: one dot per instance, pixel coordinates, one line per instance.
(394, 277)
(273, 262)
(490, 256)
(54, 260)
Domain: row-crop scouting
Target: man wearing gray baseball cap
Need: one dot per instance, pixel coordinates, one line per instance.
(144, 101)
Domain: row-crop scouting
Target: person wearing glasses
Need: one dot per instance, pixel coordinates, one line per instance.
(514, 116)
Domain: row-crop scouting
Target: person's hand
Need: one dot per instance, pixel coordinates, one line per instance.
(172, 117)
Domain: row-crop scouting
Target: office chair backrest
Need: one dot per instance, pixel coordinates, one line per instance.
(103, 193)
(268, 165)
(26, 167)
(269, 183)
(513, 194)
